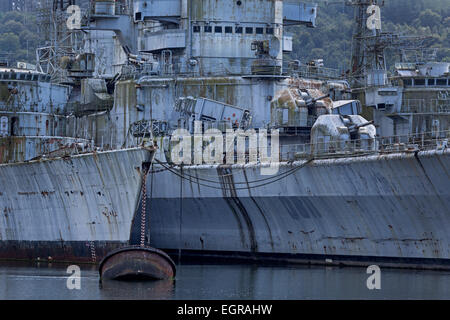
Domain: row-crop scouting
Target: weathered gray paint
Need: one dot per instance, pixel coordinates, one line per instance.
(379, 206)
(31, 92)
(90, 197)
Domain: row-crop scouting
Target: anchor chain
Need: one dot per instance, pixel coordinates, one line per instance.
(93, 255)
(143, 206)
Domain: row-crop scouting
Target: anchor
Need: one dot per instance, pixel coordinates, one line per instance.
(138, 261)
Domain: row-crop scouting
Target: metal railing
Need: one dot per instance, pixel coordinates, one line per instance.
(335, 149)
(119, 8)
(424, 106)
(340, 149)
(309, 72)
(441, 106)
(285, 68)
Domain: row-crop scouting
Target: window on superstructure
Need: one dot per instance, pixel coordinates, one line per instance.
(259, 30)
(208, 29)
(218, 29)
(269, 31)
(407, 82)
(228, 29)
(441, 82)
(14, 126)
(431, 82)
(196, 29)
(249, 30)
(419, 82)
(238, 30)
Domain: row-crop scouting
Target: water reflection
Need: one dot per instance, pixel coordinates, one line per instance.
(136, 290)
(44, 281)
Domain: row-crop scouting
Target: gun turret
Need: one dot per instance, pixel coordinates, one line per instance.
(321, 98)
(364, 124)
(311, 102)
(353, 127)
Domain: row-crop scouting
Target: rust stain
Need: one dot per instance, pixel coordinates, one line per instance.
(47, 193)
(109, 213)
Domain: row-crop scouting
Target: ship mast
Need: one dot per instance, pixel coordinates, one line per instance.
(368, 44)
(59, 40)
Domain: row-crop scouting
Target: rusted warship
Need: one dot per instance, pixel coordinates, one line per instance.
(62, 197)
(332, 186)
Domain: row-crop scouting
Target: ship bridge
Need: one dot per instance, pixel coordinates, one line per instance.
(204, 36)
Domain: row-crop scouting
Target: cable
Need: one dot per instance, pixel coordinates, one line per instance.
(229, 175)
(285, 175)
(242, 188)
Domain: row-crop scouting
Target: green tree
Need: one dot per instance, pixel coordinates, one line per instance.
(12, 16)
(9, 42)
(335, 27)
(12, 27)
(429, 18)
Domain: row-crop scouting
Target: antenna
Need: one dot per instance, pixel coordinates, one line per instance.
(60, 42)
(369, 44)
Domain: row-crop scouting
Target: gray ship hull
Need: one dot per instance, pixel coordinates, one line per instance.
(387, 209)
(77, 208)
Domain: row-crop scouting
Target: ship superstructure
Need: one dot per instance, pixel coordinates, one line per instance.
(182, 53)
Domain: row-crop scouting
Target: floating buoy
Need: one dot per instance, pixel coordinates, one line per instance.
(137, 263)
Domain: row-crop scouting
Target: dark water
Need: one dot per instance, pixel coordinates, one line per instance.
(43, 281)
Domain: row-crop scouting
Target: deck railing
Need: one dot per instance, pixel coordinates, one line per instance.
(405, 143)
(424, 106)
